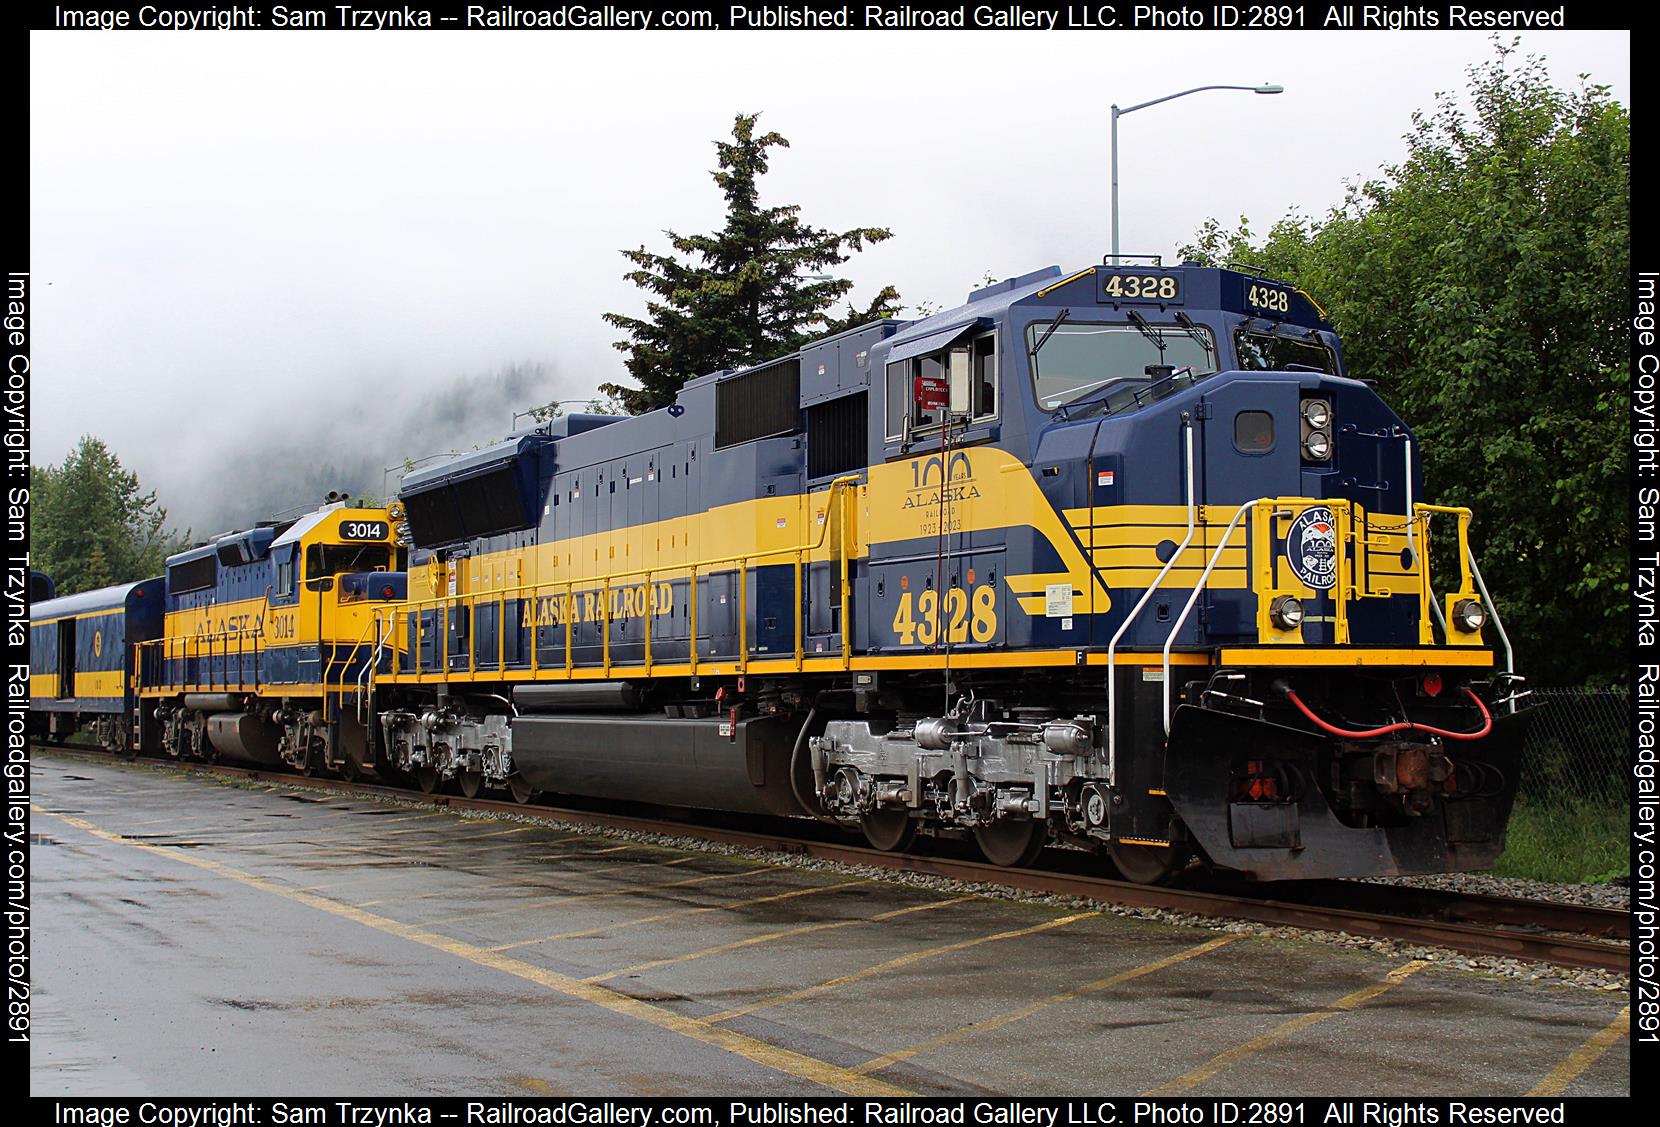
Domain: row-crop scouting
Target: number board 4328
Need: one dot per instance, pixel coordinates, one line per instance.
(1125, 285)
(1264, 298)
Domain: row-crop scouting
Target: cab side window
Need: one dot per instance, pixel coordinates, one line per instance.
(969, 369)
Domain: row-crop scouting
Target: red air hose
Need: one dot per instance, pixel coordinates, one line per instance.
(1332, 729)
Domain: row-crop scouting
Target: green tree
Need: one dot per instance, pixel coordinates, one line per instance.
(750, 291)
(607, 404)
(92, 524)
(1482, 283)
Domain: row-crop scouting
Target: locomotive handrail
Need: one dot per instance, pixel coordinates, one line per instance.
(334, 653)
(366, 675)
(363, 636)
(1112, 646)
(188, 647)
(1472, 572)
(1426, 588)
(1198, 588)
(839, 491)
(1343, 585)
(1492, 609)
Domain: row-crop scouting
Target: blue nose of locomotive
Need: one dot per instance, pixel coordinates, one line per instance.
(1126, 469)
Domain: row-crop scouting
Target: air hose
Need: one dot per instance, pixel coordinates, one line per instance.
(811, 808)
(1404, 725)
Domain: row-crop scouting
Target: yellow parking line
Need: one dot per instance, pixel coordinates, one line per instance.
(388, 819)
(876, 1064)
(564, 897)
(677, 913)
(538, 1085)
(184, 821)
(368, 835)
(500, 879)
(1233, 1056)
(771, 936)
(1576, 1062)
(891, 964)
(772, 1056)
(553, 897)
(468, 890)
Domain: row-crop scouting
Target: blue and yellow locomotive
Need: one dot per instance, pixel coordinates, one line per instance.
(252, 647)
(1120, 558)
(263, 658)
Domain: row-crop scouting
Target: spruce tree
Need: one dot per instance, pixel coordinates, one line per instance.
(742, 294)
(92, 523)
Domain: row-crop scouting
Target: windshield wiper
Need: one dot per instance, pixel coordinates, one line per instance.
(1149, 332)
(1050, 331)
(1198, 334)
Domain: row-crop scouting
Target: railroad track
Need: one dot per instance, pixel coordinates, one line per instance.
(1535, 930)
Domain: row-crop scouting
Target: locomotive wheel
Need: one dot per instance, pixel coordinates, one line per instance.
(471, 782)
(427, 779)
(1146, 864)
(1010, 843)
(889, 830)
(520, 789)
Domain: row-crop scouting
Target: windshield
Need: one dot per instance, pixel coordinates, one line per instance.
(332, 559)
(1079, 359)
(1269, 352)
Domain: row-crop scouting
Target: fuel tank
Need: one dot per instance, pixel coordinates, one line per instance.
(241, 737)
(711, 764)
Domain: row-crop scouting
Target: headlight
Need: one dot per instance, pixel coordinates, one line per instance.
(1469, 616)
(1286, 612)
(1317, 445)
(1317, 412)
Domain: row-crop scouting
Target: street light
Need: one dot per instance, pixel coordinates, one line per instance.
(1265, 88)
(408, 465)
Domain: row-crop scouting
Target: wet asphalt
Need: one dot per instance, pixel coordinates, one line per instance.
(193, 937)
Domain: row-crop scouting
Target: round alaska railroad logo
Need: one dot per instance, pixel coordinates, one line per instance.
(1311, 548)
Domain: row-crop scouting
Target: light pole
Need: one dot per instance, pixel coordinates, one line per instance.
(408, 465)
(517, 415)
(1265, 88)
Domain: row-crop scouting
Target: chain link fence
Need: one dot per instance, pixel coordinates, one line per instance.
(1577, 747)
(1571, 821)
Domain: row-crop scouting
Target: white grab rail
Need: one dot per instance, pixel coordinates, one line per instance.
(1112, 646)
(1492, 609)
(1198, 589)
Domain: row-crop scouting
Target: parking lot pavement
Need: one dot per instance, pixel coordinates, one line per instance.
(203, 938)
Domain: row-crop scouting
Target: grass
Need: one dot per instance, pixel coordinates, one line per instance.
(1571, 842)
